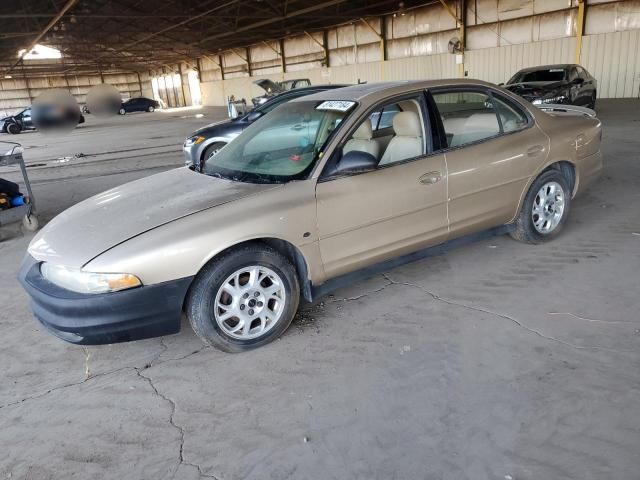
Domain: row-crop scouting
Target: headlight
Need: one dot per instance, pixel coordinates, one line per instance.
(558, 99)
(88, 282)
(191, 141)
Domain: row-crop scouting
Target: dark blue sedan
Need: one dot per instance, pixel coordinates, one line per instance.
(140, 104)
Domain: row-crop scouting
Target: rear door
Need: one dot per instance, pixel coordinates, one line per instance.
(492, 148)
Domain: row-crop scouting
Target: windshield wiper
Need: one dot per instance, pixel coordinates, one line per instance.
(218, 175)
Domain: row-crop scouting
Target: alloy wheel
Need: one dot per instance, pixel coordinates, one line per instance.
(250, 302)
(548, 207)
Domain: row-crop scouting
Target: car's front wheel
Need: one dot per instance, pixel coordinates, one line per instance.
(210, 151)
(122, 111)
(150, 109)
(545, 208)
(13, 128)
(243, 299)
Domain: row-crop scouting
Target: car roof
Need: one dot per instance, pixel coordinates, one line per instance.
(372, 92)
(296, 91)
(328, 86)
(558, 66)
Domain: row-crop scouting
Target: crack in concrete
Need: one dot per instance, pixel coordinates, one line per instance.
(172, 422)
(88, 376)
(517, 322)
(366, 294)
(177, 359)
(163, 349)
(586, 319)
(62, 387)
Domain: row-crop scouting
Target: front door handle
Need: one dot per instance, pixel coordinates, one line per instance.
(535, 150)
(430, 178)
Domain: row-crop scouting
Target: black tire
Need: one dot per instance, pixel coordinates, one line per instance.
(150, 109)
(524, 229)
(122, 111)
(30, 223)
(210, 151)
(593, 101)
(13, 128)
(200, 304)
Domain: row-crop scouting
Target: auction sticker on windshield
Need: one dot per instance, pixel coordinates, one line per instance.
(336, 105)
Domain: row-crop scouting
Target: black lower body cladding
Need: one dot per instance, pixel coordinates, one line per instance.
(96, 319)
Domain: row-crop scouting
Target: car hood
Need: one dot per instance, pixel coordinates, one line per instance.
(220, 129)
(268, 86)
(99, 223)
(535, 88)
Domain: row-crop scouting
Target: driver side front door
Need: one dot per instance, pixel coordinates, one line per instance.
(396, 209)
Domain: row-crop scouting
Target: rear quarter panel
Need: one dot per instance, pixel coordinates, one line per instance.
(574, 139)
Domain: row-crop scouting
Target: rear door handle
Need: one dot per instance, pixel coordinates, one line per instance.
(535, 150)
(430, 178)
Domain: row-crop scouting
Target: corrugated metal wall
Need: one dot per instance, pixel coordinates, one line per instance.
(498, 64)
(503, 36)
(614, 59)
(18, 93)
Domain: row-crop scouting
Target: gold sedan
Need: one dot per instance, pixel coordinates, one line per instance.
(343, 181)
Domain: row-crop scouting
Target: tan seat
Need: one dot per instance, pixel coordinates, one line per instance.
(362, 141)
(407, 142)
(477, 127)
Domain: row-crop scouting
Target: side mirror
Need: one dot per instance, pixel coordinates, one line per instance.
(578, 81)
(253, 116)
(355, 161)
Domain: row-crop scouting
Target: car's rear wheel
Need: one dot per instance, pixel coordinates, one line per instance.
(150, 108)
(13, 128)
(545, 208)
(210, 151)
(244, 299)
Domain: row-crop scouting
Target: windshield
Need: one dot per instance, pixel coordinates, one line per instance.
(546, 75)
(291, 84)
(282, 146)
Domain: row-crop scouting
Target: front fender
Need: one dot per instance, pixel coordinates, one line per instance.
(181, 248)
(210, 141)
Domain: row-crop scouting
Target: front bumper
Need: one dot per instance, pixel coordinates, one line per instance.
(96, 319)
(189, 154)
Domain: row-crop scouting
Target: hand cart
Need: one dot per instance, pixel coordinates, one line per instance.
(25, 212)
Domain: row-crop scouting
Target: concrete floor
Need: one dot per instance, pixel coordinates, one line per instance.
(497, 360)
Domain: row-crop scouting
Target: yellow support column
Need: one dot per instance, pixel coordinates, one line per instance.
(580, 30)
